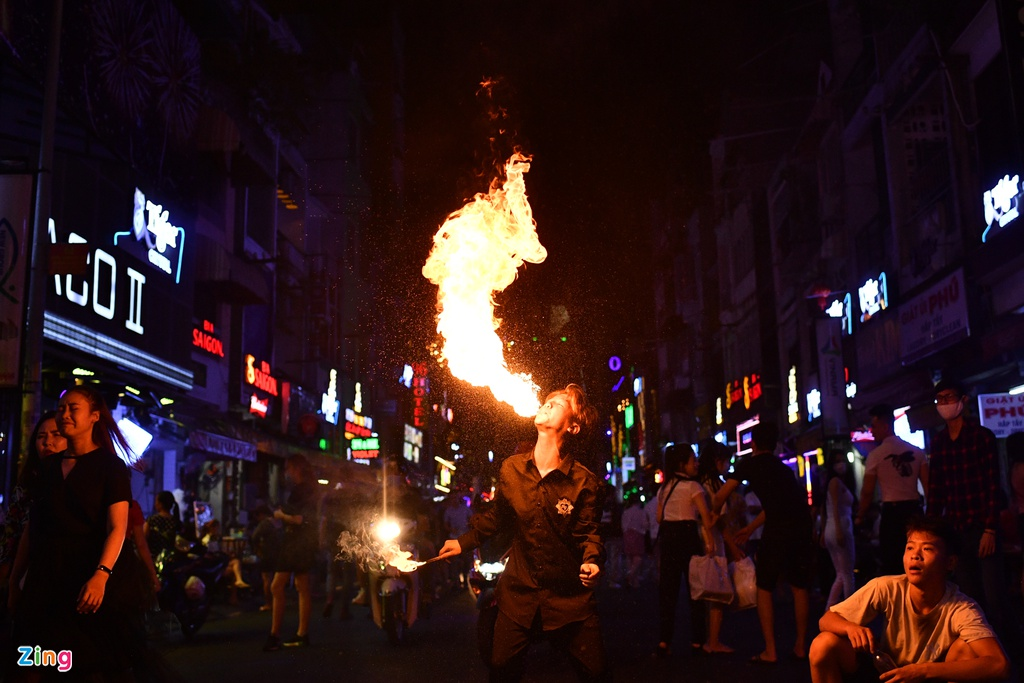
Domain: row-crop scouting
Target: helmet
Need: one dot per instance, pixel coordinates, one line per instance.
(195, 589)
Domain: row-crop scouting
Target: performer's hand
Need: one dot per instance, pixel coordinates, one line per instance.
(589, 573)
(451, 548)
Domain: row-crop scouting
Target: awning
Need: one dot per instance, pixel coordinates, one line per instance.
(215, 444)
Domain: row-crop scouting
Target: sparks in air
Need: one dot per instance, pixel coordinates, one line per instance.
(477, 253)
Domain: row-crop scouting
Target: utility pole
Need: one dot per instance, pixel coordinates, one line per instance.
(32, 351)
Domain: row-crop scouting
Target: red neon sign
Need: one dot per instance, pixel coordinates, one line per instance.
(258, 406)
(420, 389)
(260, 377)
(205, 340)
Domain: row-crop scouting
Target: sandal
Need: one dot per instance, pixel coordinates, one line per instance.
(761, 659)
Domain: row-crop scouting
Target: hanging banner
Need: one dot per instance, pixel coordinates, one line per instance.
(934, 319)
(15, 217)
(831, 375)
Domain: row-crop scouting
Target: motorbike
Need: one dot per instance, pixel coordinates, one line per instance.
(394, 594)
(488, 564)
(187, 576)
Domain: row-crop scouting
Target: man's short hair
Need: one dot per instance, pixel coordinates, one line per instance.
(884, 412)
(765, 436)
(583, 414)
(949, 385)
(935, 526)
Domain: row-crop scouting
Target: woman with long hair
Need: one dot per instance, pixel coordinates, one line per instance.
(164, 525)
(78, 521)
(712, 464)
(298, 552)
(684, 521)
(838, 513)
(45, 441)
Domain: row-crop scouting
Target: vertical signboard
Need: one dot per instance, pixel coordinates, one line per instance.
(15, 214)
(831, 375)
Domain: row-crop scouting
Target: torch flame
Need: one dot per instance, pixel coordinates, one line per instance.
(403, 562)
(476, 253)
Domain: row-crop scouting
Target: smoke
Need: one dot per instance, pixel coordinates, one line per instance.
(363, 549)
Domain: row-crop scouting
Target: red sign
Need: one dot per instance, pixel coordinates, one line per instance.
(258, 406)
(260, 377)
(205, 340)
(420, 389)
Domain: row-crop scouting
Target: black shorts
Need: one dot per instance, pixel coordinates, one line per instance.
(783, 557)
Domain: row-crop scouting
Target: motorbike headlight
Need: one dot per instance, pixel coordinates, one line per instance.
(387, 530)
(492, 568)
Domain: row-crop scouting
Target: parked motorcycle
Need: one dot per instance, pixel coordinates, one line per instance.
(187, 576)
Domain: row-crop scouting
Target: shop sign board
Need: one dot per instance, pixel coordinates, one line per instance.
(831, 376)
(934, 319)
(15, 217)
(1002, 413)
(132, 303)
(216, 444)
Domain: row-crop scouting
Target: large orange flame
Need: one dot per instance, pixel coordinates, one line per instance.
(477, 253)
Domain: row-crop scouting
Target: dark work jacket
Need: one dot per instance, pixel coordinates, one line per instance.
(555, 524)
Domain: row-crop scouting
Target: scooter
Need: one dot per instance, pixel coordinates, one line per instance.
(488, 566)
(187, 575)
(394, 594)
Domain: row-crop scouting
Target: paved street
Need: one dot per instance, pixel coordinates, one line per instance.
(443, 648)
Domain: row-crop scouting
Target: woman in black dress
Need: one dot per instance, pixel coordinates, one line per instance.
(79, 516)
(298, 552)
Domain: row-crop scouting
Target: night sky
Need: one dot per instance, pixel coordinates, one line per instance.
(615, 101)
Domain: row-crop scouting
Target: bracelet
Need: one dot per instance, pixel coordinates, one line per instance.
(105, 569)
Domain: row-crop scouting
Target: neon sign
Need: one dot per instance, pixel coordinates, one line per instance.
(420, 389)
(260, 377)
(874, 297)
(151, 224)
(841, 308)
(1002, 204)
(365, 449)
(793, 410)
(258, 406)
(357, 425)
(813, 404)
(205, 340)
(330, 406)
(746, 390)
(104, 296)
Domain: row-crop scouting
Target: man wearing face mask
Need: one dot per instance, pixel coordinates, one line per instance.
(963, 488)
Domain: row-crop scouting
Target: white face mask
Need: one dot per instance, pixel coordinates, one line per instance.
(950, 411)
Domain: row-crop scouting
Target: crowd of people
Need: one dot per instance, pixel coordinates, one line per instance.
(80, 563)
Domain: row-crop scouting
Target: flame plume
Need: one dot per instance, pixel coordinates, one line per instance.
(477, 252)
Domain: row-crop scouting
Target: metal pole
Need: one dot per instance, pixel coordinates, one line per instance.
(32, 356)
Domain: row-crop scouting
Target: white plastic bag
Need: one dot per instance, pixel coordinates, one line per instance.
(709, 579)
(744, 582)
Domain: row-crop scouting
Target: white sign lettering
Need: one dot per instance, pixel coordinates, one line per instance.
(104, 299)
(1001, 204)
(874, 297)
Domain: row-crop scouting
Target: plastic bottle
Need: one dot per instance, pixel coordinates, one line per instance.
(882, 661)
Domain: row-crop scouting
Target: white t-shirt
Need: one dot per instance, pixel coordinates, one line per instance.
(897, 464)
(678, 500)
(912, 638)
(634, 519)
